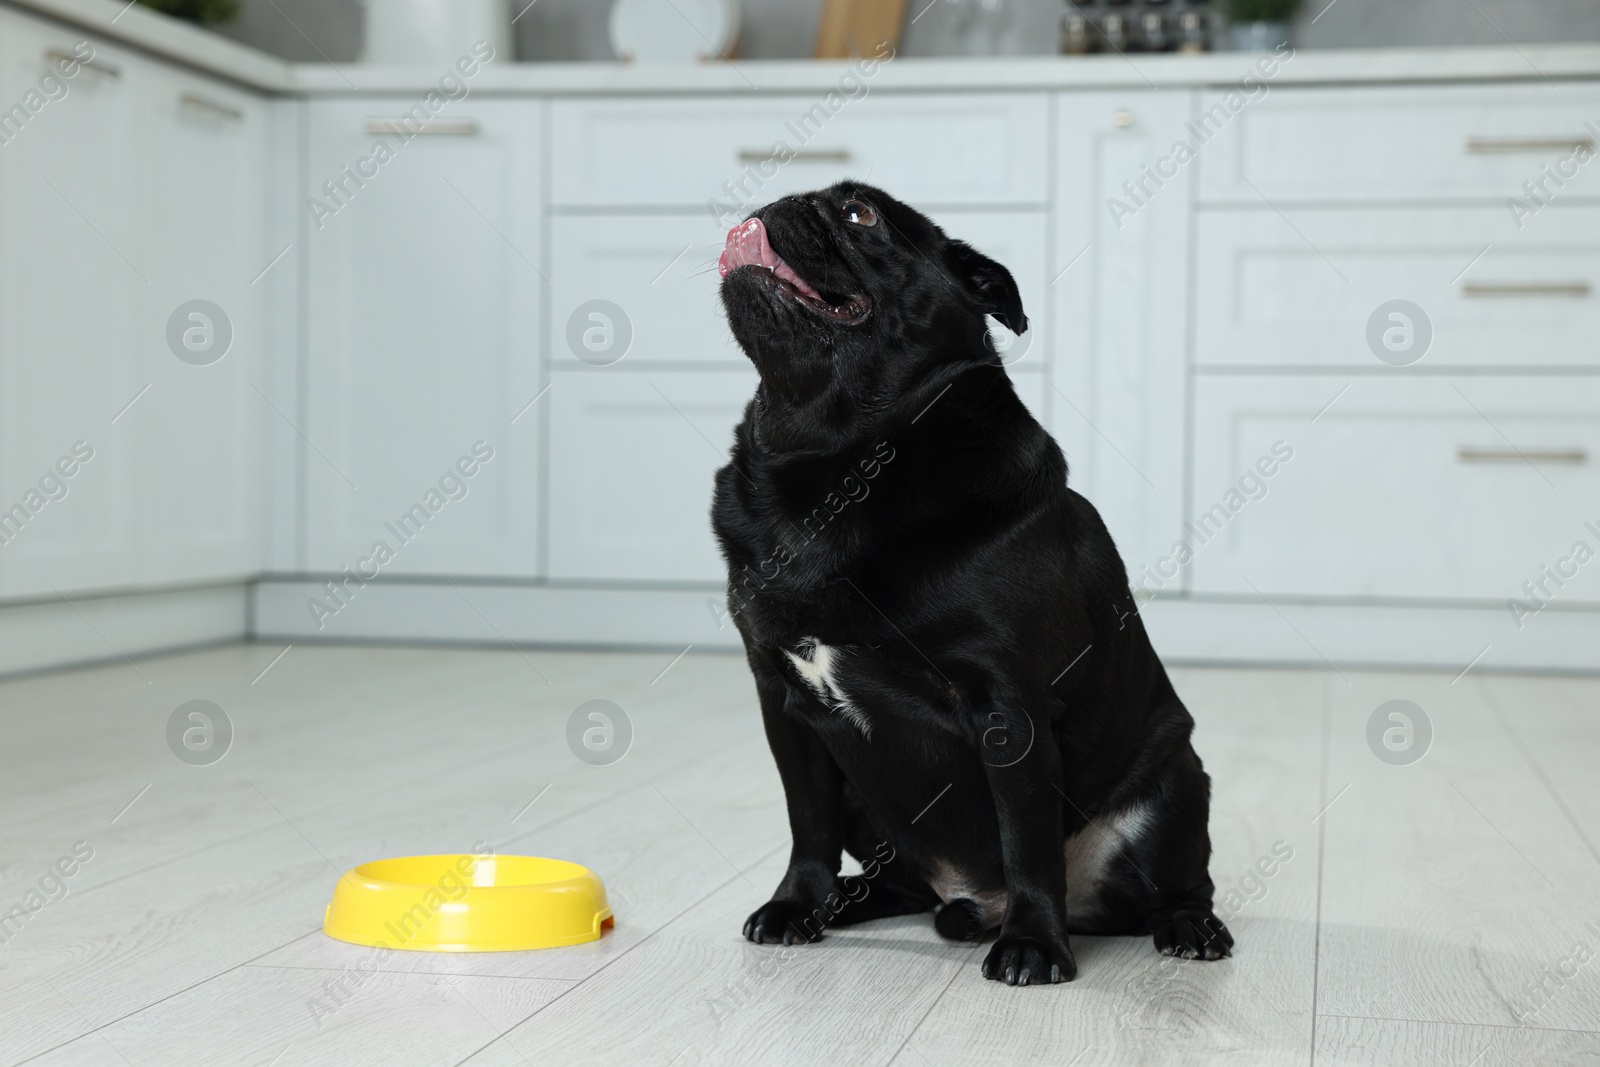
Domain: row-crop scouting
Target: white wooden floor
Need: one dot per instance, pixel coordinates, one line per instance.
(1402, 931)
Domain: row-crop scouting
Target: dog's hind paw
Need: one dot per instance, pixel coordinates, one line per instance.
(1192, 935)
(960, 920)
(782, 920)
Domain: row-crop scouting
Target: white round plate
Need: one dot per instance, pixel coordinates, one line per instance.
(673, 31)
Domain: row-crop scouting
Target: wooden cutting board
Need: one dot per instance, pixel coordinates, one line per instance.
(858, 27)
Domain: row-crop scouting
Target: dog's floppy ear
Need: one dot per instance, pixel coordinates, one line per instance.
(990, 284)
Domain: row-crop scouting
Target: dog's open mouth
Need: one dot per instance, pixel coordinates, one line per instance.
(748, 247)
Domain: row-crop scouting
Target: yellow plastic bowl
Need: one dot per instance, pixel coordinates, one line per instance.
(467, 904)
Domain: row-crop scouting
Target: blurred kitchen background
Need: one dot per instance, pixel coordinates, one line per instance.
(362, 383)
(330, 322)
(566, 30)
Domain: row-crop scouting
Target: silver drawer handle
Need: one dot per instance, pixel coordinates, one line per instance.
(444, 127)
(822, 155)
(1491, 289)
(1490, 146)
(1573, 456)
(98, 66)
(200, 103)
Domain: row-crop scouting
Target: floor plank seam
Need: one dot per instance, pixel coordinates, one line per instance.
(164, 920)
(609, 797)
(423, 974)
(708, 755)
(960, 966)
(535, 828)
(624, 953)
(1322, 842)
(1457, 1022)
(1534, 765)
(554, 734)
(10, 824)
(86, 890)
(299, 937)
(380, 790)
(163, 1000)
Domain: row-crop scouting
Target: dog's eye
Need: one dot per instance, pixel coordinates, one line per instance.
(858, 212)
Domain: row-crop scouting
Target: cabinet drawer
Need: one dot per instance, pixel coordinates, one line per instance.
(632, 456)
(1403, 487)
(660, 271)
(1369, 144)
(725, 154)
(1274, 293)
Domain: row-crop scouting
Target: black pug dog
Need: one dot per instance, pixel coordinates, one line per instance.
(953, 675)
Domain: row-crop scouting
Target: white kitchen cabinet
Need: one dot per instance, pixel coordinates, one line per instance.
(424, 292)
(203, 152)
(1370, 144)
(632, 457)
(1118, 298)
(1395, 487)
(733, 154)
(1191, 317)
(134, 192)
(1271, 292)
(661, 272)
(73, 279)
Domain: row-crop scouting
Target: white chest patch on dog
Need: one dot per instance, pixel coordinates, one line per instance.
(818, 665)
(1090, 852)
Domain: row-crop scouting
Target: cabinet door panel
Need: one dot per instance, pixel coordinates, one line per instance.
(1118, 289)
(73, 273)
(632, 455)
(204, 154)
(424, 292)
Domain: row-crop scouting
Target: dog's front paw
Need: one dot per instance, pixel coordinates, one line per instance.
(782, 920)
(1192, 935)
(1022, 959)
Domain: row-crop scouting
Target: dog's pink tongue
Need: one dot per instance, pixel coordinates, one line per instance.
(747, 246)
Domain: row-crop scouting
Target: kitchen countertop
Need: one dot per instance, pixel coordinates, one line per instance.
(131, 24)
(141, 28)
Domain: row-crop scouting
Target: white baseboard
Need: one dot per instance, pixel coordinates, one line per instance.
(92, 629)
(44, 635)
(1371, 636)
(489, 614)
(1185, 631)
